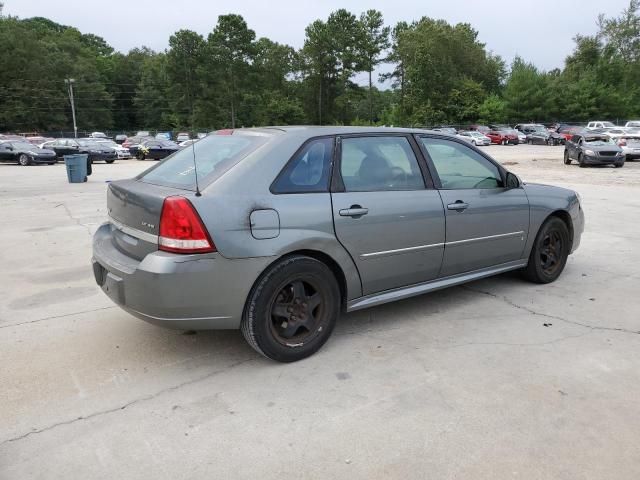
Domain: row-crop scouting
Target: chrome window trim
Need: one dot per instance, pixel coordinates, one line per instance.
(134, 232)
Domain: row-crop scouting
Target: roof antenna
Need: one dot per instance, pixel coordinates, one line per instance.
(195, 167)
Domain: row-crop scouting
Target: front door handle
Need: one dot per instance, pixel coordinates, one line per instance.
(459, 206)
(354, 211)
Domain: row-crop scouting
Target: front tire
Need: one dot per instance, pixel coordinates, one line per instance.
(581, 161)
(109, 161)
(549, 252)
(24, 160)
(292, 309)
(619, 164)
(567, 160)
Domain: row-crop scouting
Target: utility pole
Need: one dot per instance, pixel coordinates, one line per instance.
(70, 82)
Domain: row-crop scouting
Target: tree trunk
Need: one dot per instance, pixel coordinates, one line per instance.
(320, 103)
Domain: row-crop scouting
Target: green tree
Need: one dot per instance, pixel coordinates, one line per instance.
(375, 40)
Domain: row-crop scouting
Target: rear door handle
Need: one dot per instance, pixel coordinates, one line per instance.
(354, 211)
(459, 205)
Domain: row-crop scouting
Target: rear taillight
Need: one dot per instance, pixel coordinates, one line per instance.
(622, 142)
(181, 229)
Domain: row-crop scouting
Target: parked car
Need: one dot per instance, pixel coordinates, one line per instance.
(522, 138)
(614, 133)
(163, 136)
(120, 139)
(132, 143)
(538, 134)
(201, 135)
(89, 146)
(121, 152)
(449, 130)
(568, 131)
(187, 143)
(503, 137)
(156, 149)
(143, 133)
(182, 137)
(630, 145)
(474, 137)
(599, 124)
(37, 140)
(480, 128)
(593, 149)
(25, 153)
(98, 135)
(633, 124)
(268, 243)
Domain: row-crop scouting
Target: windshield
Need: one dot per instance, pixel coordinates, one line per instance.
(598, 142)
(23, 145)
(213, 155)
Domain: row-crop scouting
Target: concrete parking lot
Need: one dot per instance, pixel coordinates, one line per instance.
(495, 379)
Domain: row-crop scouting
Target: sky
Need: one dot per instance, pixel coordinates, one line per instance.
(540, 31)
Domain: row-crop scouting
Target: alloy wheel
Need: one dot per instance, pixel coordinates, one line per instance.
(551, 252)
(298, 311)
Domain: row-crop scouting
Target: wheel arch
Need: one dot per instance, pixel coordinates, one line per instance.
(566, 218)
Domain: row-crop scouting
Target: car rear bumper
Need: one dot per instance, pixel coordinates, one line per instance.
(187, 292)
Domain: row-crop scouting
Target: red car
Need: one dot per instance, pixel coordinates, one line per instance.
(568, 131)
(503, 137)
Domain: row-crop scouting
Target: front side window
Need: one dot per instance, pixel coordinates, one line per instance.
(460, 167)
(308, 171)
(379, 164)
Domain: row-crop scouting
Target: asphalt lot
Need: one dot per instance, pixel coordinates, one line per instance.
(495, 379)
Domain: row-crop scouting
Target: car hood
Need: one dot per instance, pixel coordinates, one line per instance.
(602, 148)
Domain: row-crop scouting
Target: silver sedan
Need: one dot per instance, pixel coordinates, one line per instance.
(277, 231)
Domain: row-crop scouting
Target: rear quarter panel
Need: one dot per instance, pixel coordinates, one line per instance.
(305, 220)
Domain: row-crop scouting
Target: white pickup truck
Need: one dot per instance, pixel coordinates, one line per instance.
(599, 124)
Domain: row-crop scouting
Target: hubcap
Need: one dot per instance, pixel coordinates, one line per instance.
(298, 312)
(551, 252)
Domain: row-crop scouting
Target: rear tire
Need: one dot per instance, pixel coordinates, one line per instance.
(24, 160)
(567, 160)
(549, 252)
(109, 161)
(292, 309)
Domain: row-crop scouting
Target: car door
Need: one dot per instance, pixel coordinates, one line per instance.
(6, 154)
(389, 219)
(486, 223)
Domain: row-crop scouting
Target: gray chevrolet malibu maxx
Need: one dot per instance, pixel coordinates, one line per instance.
(276, 231)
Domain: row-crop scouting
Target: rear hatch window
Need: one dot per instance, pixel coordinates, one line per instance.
(212, 156)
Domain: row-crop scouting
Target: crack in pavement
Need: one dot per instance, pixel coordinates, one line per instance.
(546, 315)
(128, 404)
(56, 316)
(76, 220)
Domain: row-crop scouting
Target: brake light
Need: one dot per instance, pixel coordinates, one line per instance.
(622, 142)
(181, 229)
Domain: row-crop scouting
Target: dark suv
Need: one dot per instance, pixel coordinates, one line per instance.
(590, 149)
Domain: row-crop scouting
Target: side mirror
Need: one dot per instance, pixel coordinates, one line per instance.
(513, 181)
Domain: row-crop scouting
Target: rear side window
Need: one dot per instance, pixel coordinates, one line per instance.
(371, 164)
(214, 155)
(308, 171)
